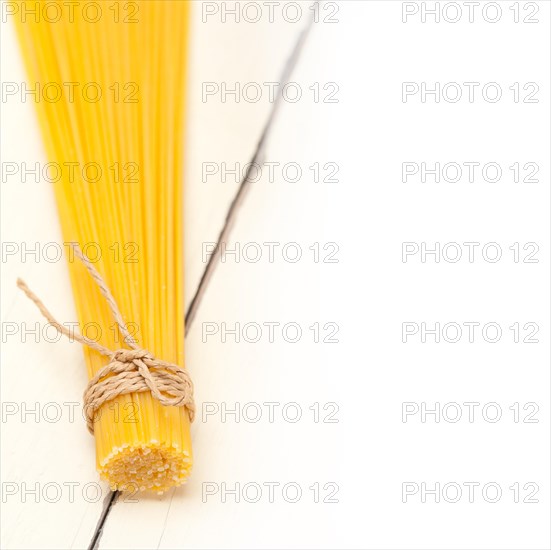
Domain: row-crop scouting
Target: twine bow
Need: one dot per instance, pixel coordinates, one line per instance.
(132, 370)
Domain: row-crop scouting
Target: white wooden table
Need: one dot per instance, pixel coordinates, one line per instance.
(319, 421)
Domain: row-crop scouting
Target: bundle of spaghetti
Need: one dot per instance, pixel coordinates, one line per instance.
(111, 82)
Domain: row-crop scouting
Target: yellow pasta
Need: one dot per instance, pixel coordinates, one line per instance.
(116, 136)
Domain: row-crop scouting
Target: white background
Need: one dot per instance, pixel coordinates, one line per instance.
(369, 292)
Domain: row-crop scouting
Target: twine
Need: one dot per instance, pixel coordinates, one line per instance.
(133, 370)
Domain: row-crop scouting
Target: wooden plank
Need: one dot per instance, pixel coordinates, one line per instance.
(370, 373)
(51, 495)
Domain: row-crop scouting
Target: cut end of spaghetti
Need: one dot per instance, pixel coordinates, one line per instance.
(153, 467)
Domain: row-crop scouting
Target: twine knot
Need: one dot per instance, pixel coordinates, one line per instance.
(128, 355)
(134, 370)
